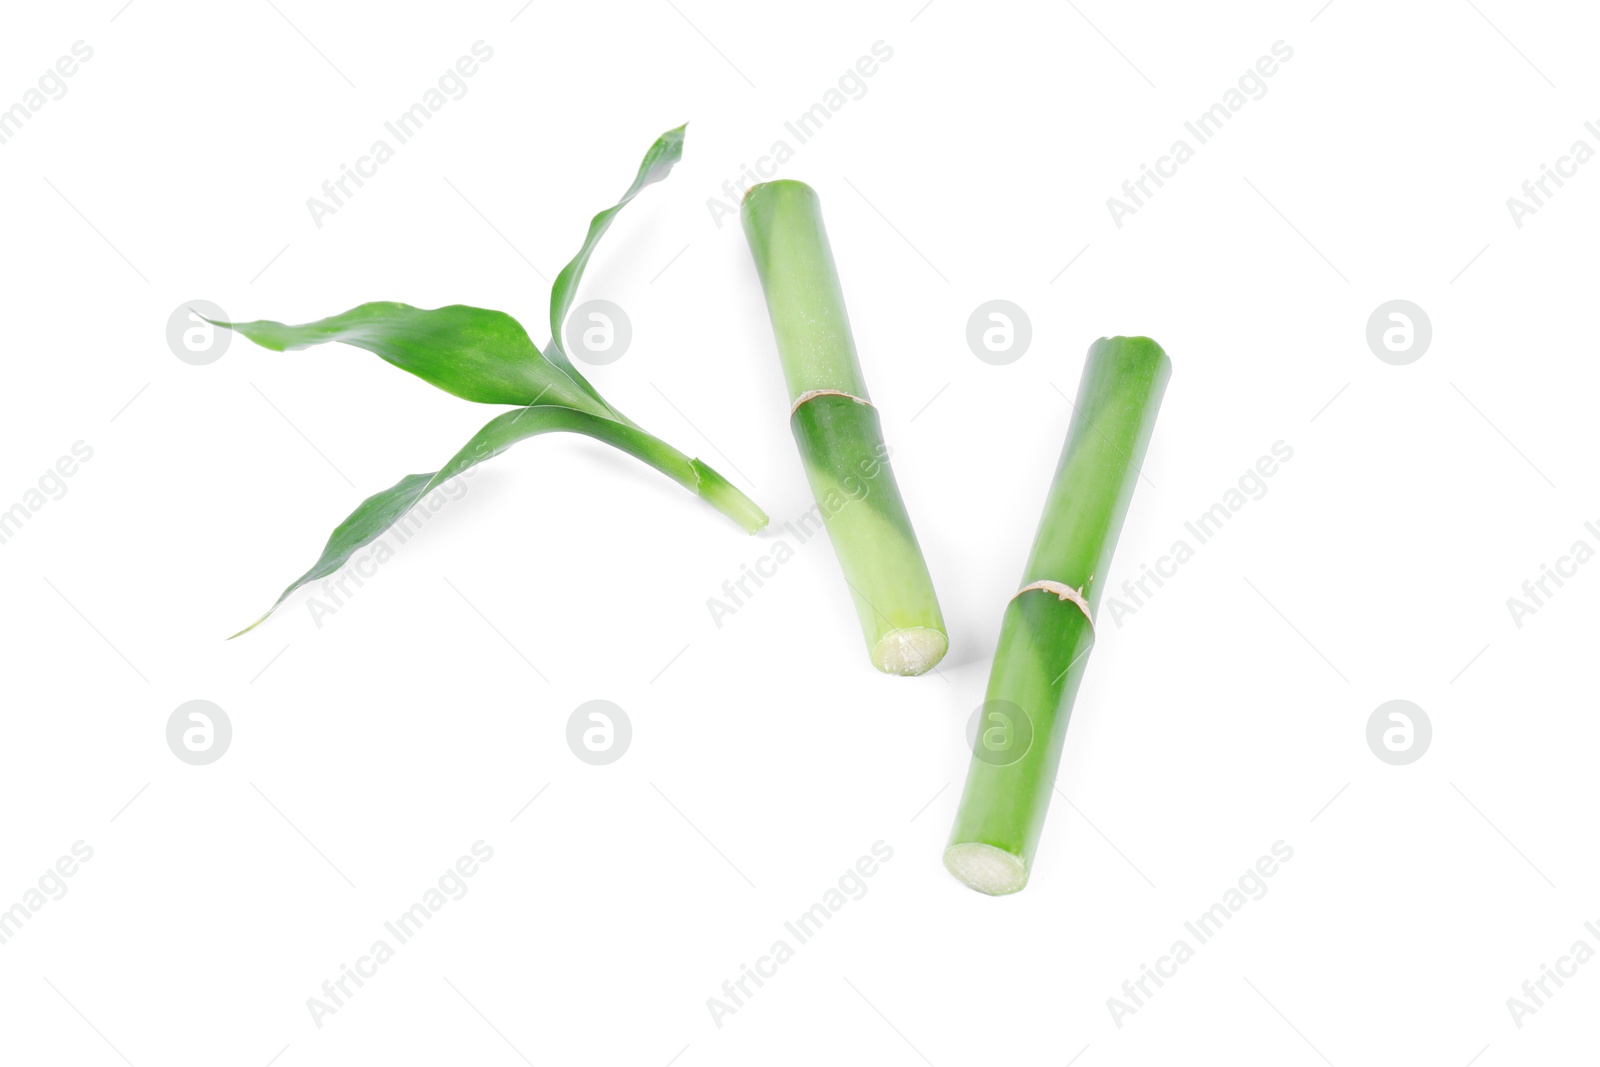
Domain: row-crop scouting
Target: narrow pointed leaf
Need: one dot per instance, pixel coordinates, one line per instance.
(474, 353)
(657, 164)
(379, 512)
(366, 523)
(487, 357)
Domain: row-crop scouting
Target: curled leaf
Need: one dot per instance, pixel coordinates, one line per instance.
(657, 164)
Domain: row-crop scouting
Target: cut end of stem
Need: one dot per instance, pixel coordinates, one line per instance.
(910, 652)
(985, 868)
(723, 495)
(779, 187)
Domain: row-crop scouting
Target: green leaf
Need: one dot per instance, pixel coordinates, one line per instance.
(474, 353)
(379, 512)
(487, 357)
(657, 164)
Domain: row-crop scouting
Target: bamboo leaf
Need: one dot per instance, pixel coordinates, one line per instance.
(379, 512)
(474, 353)
(657, 164)
(487, 357)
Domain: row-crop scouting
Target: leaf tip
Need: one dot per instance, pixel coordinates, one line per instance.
(252, 626)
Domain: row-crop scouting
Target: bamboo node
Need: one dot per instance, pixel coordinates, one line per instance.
(813, 393)
(1063, 592)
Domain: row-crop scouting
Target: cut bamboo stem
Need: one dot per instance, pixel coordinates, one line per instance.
(1048, 627)
(838, 431)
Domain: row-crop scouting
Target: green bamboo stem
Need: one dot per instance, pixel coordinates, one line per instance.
(838, 431)
(1045, 638)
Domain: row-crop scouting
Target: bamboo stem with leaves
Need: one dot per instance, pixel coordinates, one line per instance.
(487, 357)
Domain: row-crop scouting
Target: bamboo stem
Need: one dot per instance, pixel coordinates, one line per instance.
(838, 431)
(1047, 632)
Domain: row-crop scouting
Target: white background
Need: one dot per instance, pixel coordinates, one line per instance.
(1227, 714)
